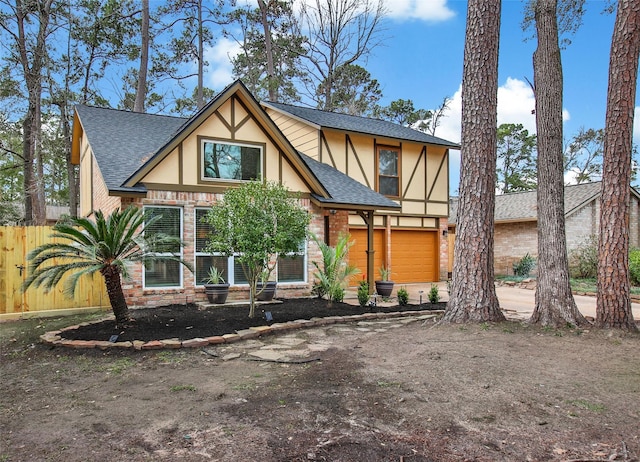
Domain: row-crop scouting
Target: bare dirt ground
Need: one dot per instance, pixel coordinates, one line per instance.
(369, 391)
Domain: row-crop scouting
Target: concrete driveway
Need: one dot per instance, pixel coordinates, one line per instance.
(517, 303)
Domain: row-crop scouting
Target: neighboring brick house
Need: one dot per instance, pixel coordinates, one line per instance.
(516, 219)
(178, 167)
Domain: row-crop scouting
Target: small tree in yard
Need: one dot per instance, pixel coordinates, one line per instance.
(256, 222)
(335, 272)
(107, 245)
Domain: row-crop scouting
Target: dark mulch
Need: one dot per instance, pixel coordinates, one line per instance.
(184, 322)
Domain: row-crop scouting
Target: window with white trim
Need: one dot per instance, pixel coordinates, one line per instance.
(164, 273)
(231, 270)
(227, 161)
(292, 266)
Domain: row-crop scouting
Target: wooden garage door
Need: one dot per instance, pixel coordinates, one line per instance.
(358, 253)
(414, 256)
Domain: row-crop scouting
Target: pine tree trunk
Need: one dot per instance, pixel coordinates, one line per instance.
(141, 90)
(473, 293)
(613, 306)
(268, 49)
(33, 58)
(555, 305)
(116, 295)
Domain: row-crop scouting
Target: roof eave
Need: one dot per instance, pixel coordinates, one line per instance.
(328, 204)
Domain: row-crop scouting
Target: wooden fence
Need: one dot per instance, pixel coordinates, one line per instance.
(15, 244)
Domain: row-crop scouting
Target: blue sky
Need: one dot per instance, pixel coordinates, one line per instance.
(423, 54)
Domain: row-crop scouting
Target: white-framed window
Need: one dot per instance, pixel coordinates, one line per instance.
(231, 270)
(162, 274)
(230, 161)
(291, 267)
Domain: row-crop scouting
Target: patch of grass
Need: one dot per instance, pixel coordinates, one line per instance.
(169, 357)
(485, 418)
(250, 386)
(590, 285)
(385, 384)
(583, 285)
(120, 365)
(589, 406)
(485, 326)
(511, 278)
(183, 388)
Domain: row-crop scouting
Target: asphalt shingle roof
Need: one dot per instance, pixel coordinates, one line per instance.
(357, 124)
(343, 189)
(523, 206)
(123, 141)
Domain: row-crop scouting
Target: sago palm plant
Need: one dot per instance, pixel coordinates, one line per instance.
(107, 245)
(335, 273)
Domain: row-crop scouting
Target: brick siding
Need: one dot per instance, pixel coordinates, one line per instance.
(138, 296)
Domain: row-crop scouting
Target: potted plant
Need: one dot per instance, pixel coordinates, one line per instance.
(384, 286)
(265, 290)
(215, 287)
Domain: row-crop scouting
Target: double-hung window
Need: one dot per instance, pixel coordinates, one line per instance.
(291, 267)
(388, 171)
(205, 260)
(164, 273)
(231, 269)
(230, 161)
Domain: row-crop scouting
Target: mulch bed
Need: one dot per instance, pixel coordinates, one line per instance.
(185, 322)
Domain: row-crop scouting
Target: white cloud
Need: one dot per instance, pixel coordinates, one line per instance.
(516, 104)
(425, 10)
(220, 71)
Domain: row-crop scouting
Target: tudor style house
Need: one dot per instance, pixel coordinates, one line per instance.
(385, 184)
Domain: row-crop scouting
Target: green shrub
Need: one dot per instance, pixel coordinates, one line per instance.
(403, 296)
(583, 260)
(363, 293)
(634, 266)
(434, 295)
(337, 294)
(523, 267)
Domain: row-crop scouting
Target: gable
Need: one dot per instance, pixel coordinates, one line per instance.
(231, 120)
